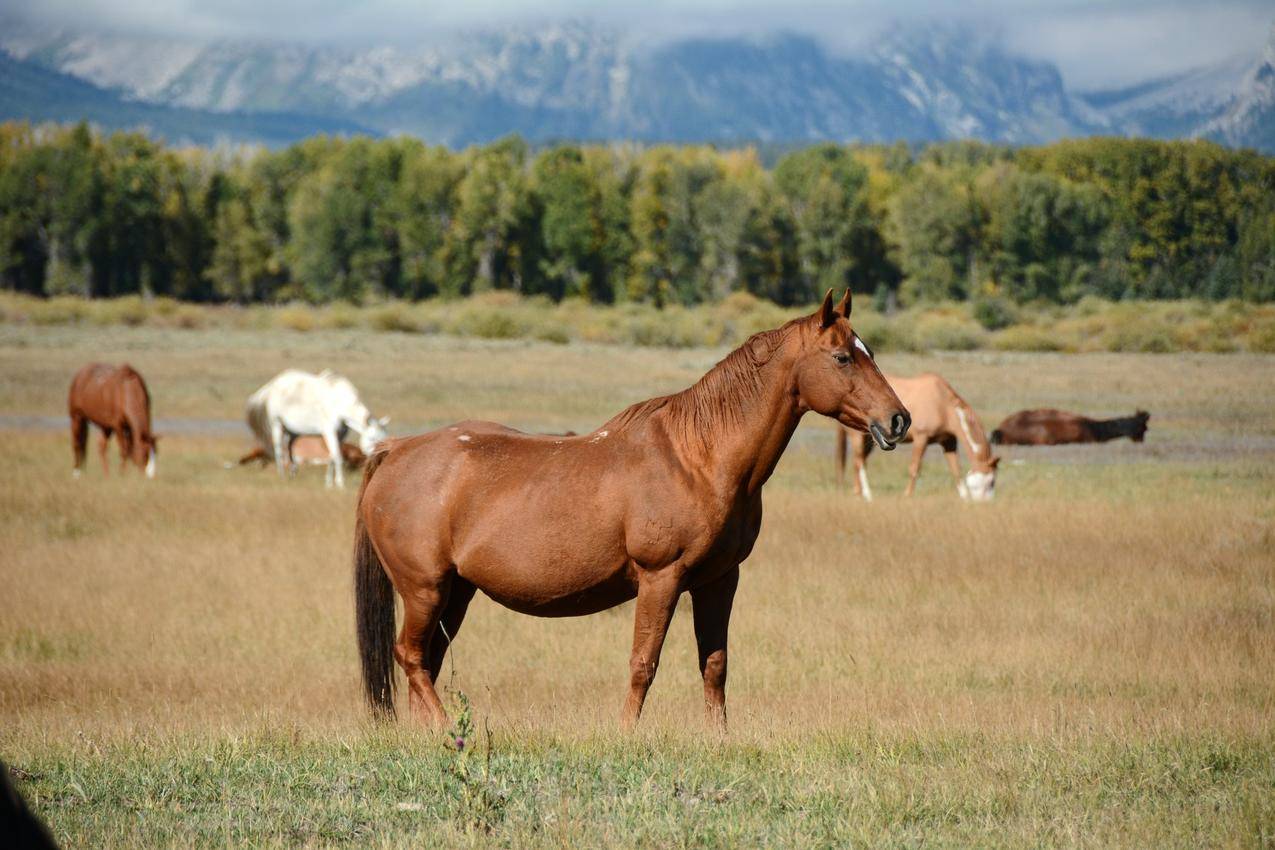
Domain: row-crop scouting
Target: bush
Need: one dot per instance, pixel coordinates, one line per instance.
(1262, 337)
(1146, 336)
(62, 310)
(947, 333)
(485, 323)
(129, 310)
(395, 316)
(1026, 338)
(296, 317)
(994, 313)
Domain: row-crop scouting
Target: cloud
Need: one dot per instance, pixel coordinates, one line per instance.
(1094, 42)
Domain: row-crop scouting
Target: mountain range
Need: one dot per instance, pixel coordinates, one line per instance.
(588, 82)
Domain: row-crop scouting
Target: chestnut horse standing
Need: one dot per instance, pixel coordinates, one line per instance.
(115, 399)
(663, 498)
(940, 416)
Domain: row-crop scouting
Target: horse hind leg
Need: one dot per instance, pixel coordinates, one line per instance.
(423, 608)
(460, 595)
(103, 444)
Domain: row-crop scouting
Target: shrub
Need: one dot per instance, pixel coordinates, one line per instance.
(994, 313)
(296, 317)
(128, 310)
(947, 333)
(1262, 337)
(395, 316)
(62, 310)
(1026, 338)
(480, 321)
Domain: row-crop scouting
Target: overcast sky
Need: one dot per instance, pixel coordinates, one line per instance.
(1092, 41)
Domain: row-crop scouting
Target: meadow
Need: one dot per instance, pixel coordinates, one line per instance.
(1086, 661)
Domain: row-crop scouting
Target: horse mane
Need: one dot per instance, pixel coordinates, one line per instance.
(718, 400)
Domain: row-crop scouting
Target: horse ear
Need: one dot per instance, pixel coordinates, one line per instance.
(994, 462)
(844, 307)
(827, 316)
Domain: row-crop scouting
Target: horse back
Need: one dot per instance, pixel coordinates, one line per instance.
(109, 394)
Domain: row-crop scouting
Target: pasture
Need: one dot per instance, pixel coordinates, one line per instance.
(1086, 661)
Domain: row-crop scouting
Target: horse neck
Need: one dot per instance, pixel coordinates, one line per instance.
(970, 432)
(734, 424)
(1110, 429)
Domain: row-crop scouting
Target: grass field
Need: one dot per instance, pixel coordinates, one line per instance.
(1087, 661)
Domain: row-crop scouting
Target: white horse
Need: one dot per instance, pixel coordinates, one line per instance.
(295, 403)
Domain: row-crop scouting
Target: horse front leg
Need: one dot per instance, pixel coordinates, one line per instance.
(914, 468)
(333, 442)
(711, 605)
(79, 439)
(656, 601)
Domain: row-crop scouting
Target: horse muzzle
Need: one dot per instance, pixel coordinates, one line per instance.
(887, 440)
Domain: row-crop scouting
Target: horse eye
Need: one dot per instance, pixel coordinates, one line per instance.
(841, 357)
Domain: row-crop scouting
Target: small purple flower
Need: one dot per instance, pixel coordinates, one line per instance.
(460, 742)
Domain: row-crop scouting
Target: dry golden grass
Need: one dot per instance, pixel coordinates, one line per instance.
(1068, 665)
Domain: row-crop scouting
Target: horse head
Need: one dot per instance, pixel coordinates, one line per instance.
(980, 482)
(1138, 433)
(837, 375)
(146, 451)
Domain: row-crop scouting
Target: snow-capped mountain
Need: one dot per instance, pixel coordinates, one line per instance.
(583, 81)
(1232, 102)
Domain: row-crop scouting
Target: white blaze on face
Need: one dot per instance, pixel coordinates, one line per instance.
(150, 464)
(863, 485)
(858, 343)
(981, 486)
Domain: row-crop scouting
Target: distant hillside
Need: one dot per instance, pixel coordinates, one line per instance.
(1232, 102)
(580, 81)
(30, 92)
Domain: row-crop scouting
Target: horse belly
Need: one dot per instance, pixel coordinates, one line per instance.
(562, 600)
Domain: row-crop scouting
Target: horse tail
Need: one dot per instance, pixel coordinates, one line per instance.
(374, 611)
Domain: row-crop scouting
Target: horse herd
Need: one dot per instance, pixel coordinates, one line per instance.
(662, 499)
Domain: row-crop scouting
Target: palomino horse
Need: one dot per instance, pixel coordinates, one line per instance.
(295, 403)
(115, 399)
(1054, 427)
(940, 416)
(306, 450)
(663, 498)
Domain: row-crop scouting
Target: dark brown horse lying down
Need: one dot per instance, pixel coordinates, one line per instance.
(115, 399)
(309, 448)
(1054, 427)
(663, 498)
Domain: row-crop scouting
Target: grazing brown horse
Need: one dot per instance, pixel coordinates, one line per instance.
(1055, 427)
(115, 399)
(940, 416)
(308, 448)
(663, 498)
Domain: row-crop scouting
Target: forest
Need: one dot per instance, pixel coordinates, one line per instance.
(357, 219)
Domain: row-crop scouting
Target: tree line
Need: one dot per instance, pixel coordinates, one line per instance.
(332, 218)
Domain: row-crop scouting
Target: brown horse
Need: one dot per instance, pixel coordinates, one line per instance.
(663, 498)
(308, 449)
(115, 399)
(1055, 427)
(940, 416)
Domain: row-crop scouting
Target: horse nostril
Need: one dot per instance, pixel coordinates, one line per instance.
(899, 423)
